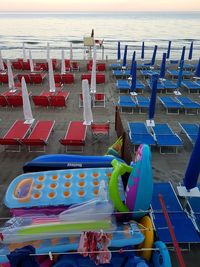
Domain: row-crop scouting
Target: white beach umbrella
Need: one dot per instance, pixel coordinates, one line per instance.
(52, 87)
(48, 52)
(93, 77)
(1, 62)
(87, 110)
(11, 83)
(26, 104)
(24, 53)
(31, 61)
(63, 63)
(71, 52)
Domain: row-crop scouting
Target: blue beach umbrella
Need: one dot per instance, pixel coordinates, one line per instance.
(133, 80)
(125, 56)
(152, 103)
(162, 66)
(197, 72)
(183, 54)
(154, 55)
(193, 168)
(118, 51)
(132, 63)
(180, 74)
(169, 49)
(142, 52)
(190, 51)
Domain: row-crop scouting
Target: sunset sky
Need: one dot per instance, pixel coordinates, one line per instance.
(100, 5)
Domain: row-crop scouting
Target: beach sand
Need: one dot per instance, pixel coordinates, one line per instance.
(165, 167)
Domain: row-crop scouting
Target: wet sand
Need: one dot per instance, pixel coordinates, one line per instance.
(165, 167)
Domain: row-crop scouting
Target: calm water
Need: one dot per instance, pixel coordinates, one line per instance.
(59, 29)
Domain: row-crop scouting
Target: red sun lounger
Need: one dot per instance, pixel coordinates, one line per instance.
(67, 78)
(59, 100)
(75, 136)
(39, 135)
(17, 131)
(37, 78)
(40, 101)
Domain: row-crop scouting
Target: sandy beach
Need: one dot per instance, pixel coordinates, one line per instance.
(167, 167)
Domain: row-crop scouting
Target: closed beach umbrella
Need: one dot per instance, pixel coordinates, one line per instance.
(197, 72)
(11, 83)
(31, 61)
(183, 54)
(87, 110)
(190, 51)
(162, 66)
(63, 70)
(169, 49)
(28, 116)
(193, 168)
(154, 55)
(1, 62)
(152, 103)
(142, 52)
(24, 53)
(133, 80)
(93, 76)
(71, 52)
(48, 52)
(180, 74)
(132, 63)
(52, 87)
(125, 56)
(118, 52)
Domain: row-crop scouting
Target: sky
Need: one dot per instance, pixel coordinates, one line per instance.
(99, 5)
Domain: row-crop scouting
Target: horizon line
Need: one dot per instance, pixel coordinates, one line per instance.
(83, 11)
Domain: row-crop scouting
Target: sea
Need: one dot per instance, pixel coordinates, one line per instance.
(35, 30)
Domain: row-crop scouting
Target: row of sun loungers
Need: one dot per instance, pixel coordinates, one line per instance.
(36, 136)
(160, 135)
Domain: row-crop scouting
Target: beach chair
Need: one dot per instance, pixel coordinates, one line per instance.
(40, 101)
(75, 136)
(14, 100)
(166, 139)
(121, 74)
(191, 131)
(126, 103)
(148, 73)
(67, 65)
(169, 86)
(39, 136)
(13, 136)
(174, 74)
(160, 86)
(191, 86)
(99, 100)
(100, 131)
(75, 66)
(67, 78)
(26, 65)
(17, 65)
(115, 66)
(57, 78)
(143, 103)
(124, 85)
(100, 78)
(101, 66)
(3, 78)
(139, 134)
(3, 101)
(86, 76)
(183, 226)
(191, 107)
(170, 104)
(59, 100)
(37, 78)
(26, 77)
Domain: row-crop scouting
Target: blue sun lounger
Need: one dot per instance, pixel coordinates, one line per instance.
(169, 86)
(191, 107)
(121, 73)
(183, 226)
(139, 134)
(174, 74)
(143, 103)
(192, 86)
(148, 73)
(160, 86)
(191, 131)
(124, 85)
(126, 103)
(170, 104)
(166, 139)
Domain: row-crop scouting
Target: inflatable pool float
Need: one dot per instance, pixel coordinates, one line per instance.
(124, 235)
(64, 161)
(161, 257)
(146, 227)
